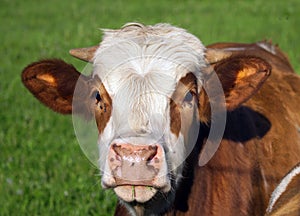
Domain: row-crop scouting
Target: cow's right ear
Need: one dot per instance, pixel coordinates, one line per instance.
(53, 83)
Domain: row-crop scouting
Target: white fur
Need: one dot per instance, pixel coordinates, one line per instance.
(142, 50)
(234, 49)
(280, 189)
(267, 46)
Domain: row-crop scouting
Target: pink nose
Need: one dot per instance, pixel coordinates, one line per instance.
(135, 164)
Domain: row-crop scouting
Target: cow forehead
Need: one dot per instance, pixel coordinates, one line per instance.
(161, 53)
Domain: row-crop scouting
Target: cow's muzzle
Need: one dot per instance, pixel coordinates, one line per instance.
(137, 172)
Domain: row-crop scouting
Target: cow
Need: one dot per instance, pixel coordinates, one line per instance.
(183, 129)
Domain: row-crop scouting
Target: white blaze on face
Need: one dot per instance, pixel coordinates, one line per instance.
(140, 67)
(138, 102)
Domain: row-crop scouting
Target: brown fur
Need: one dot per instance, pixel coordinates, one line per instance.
(103, 109)
(175, 118)
(186, 84)
(52, 82)
(240, 76)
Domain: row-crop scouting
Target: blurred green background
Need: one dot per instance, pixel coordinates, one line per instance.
(42, 169)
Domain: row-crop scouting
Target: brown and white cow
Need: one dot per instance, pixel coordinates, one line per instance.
(160, 99)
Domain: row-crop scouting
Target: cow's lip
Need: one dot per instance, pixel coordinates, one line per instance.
(138, 193)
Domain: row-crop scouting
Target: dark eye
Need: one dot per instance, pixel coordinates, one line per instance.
(98, 97)
(99, 101)
(188, 97)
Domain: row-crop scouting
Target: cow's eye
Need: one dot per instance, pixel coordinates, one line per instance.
(99, 101)
(98, 97)
(189, 97)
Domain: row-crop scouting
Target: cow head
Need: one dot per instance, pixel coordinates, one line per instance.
(150, 88)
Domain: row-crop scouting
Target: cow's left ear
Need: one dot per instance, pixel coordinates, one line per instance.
(240, 77)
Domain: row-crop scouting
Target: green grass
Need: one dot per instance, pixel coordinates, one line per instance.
(42, 169)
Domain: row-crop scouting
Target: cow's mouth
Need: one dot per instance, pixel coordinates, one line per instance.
(138, 193)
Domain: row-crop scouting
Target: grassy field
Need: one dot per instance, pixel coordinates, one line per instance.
(42, 169)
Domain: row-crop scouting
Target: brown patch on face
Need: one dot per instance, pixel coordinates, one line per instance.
(175, 118)
(185, 85)
(102, 107)
(204, 108)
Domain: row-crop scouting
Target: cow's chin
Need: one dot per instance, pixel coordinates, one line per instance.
(130, 193)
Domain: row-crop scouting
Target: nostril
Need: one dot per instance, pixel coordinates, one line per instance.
(114, 146)
(118, 152)
(152, 153)
(117, 149)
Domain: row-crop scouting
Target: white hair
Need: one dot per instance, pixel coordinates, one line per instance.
(145, 49)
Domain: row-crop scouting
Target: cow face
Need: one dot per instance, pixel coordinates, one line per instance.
(145, 104)
(150, 88)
